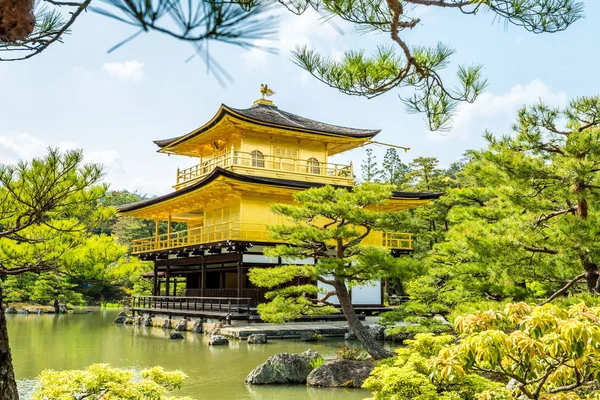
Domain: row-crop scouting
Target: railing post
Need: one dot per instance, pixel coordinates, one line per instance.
(229, 305)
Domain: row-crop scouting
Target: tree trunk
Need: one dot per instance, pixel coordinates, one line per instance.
(372, 346)
(16, 20)
(8, 385)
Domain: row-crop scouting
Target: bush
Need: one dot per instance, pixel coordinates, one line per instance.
(316, 362)
(351, 353)
(101, 381)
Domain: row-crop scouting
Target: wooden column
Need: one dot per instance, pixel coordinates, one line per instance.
(167, 281)
(202, 284)
(169, 232)
(156, 232)
(155, 287)
(175, 286)
(240, 273)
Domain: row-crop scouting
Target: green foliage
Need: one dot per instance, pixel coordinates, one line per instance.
(407, 375)
(101, 381)
(351, 353)
(551, 352)
(316, 362)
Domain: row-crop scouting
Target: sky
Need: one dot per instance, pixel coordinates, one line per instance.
(77, 95)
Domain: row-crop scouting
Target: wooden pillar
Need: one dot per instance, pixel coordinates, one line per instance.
(156, 232)
(221, 279)
(169, 232)
(175, 286)
(240, 273)
(167, 281)
(203, 279)
(155, 287)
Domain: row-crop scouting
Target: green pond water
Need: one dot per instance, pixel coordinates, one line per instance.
(74, 341)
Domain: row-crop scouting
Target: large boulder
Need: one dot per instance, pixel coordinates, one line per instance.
(283, 368)
(181, 325)
(340, 373)
(218, 340)
(258, 338)
(10, 310)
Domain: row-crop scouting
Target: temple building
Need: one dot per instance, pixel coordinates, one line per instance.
(247, 159)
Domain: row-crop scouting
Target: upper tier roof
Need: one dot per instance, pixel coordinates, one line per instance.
(269, 115)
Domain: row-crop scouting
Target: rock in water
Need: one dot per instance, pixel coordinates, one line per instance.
(308, 337)
(10, 310)
(259, 338)
(176, 335)
(218, 340)
(283, 368)
(198, 327)
(147, 321)
(377, 331)
(166, 324)
(129, 321)
(350, 336)
(121, 318)
(23, 311)
(181, 325)
(340, 373)
(139, 320)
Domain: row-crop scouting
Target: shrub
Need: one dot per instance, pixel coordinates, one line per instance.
(351, 353)
(101, 381)
(316, 362)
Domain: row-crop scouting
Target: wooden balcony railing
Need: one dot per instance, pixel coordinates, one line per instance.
(294, 166)
(234, 230)
(229, 305)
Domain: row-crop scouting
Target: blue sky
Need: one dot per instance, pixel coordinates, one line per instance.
(114, 105)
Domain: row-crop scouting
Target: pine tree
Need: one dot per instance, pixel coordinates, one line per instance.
(369, 167)
(329, 225)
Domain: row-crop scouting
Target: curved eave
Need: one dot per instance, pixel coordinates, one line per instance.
(218, 172)
(223, 111)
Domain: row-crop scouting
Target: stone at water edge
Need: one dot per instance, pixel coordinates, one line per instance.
(176, 335)
(147, 321)
(340, 373)
(129, 321)
(308, 336)
(139, 320)
(166, 324)
(198, 327)
(258, 338)
(283, 368)
(10, 310)
(181, 325)
(350, 336)
(376, 331)
(121, 318)
(218, 340)
(23, 311)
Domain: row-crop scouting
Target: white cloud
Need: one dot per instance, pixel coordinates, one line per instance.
(497, 112)
(294, 30)
(126, 70)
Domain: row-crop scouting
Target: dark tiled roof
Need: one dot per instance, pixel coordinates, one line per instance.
(271, 115)
(261, 180)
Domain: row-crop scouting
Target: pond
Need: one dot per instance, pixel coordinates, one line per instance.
(74, 341)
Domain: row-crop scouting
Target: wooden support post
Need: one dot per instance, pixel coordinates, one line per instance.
(169, 232)
(156, 233)
(167, 281)
(175, 286)
(240, 272)
(155, 287)
(203, 279)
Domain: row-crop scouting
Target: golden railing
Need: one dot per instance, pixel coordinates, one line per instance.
(264, 162)
(247, 232)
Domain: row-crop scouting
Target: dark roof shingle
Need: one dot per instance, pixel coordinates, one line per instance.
(272, 115)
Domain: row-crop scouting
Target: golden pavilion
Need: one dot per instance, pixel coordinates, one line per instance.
(247, 159)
